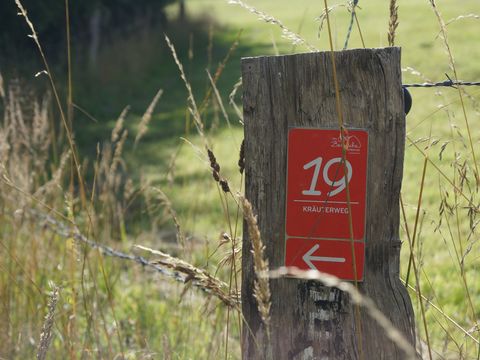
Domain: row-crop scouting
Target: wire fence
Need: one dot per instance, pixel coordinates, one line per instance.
(166, 265)
(446, 83)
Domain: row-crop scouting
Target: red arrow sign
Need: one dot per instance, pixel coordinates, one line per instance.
(309, 258)
(329, 256)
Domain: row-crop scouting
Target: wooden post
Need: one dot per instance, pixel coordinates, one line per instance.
(310, 321)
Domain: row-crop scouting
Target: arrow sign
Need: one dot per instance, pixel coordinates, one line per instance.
(308, 258)
(333, 257)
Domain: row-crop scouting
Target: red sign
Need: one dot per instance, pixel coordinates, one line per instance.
(330, 256)
(317, 203)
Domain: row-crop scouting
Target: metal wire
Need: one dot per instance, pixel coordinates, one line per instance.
(65, 231)
(446, 83)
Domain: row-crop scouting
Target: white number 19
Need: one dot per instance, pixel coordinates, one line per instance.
(337, 186)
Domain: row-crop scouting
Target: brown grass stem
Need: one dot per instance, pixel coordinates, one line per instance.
(261, 288)
(338, 103)
(191, 99)
(359, 30)
(417, 216)
(417, 279)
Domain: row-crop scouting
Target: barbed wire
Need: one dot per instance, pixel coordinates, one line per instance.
(65, 231)
(446, 83)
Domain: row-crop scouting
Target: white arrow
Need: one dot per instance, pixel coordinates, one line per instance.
(308, 258)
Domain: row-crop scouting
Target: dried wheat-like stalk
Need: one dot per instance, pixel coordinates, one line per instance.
(357, 298)
(4, 146)
(463, 17)
(2, 89)
(117, 154)
(119, 124)
(143, 126)
(55, 182)
(322, 18)
(261, 287)
(288, 34)
(200, 277)
(40, 138)
(46, 335)
(191, 99)
(168, 204)
(219, 71)
(393, 23)
(219, 98)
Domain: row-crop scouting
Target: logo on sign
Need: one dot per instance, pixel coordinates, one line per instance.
(318, 211)
(352, 143)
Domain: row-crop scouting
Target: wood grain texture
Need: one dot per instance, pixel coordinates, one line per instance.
(310, 321)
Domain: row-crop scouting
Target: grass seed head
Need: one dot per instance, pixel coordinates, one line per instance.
(241, 160)
(224, 185)
(46, 335)
(216, 176)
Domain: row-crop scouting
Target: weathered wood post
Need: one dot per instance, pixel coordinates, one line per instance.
(291, 122)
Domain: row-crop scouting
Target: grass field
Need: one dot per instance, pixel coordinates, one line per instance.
(144, 194)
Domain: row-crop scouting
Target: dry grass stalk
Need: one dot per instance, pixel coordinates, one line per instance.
(462, 17)
(261, 287)
(231, 255)
(219, 99)
(119, 124)
(56, 181)
(199, 277)
(219, 71)
(288, 34)
(323, 16)
(169, 207)
(191, 99)
(143, 126)
(25, 140)
(231, 100)
(2, 89)
(46, 335)
(117, 155)
(40, 137)
(393, 23)
(357, 298)
(443, 314)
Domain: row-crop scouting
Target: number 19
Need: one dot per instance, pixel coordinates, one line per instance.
(337, 186)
